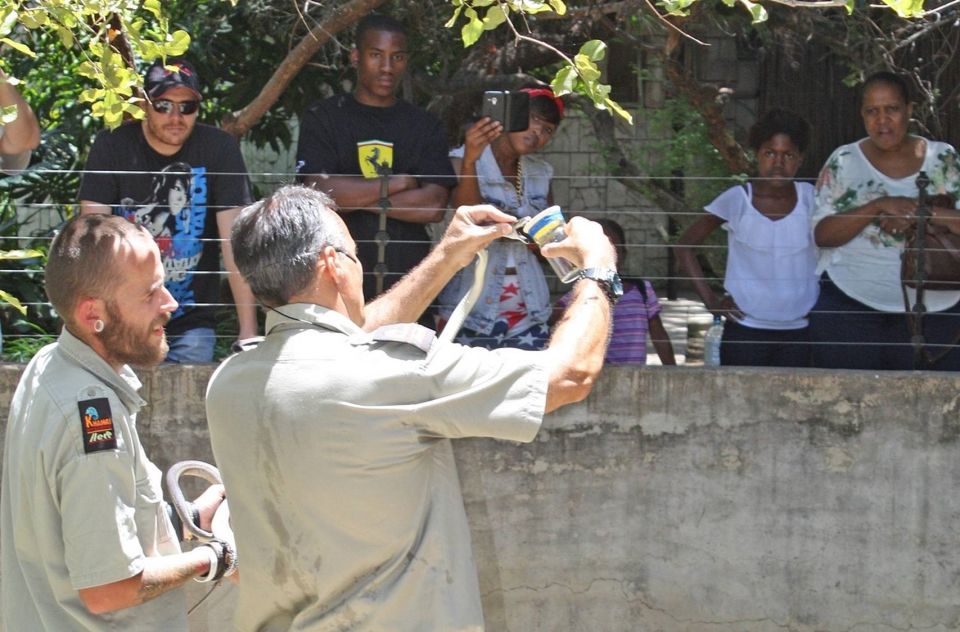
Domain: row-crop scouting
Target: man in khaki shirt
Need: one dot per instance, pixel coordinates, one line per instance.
(333, 435)
(86, 541)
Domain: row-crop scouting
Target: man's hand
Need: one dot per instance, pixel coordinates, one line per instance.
(586, 246)
(472, 229)
(207, 504)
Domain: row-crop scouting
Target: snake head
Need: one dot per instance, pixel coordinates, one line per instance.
(516, 231)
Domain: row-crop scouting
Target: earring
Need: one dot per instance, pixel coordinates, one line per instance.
(98, 325)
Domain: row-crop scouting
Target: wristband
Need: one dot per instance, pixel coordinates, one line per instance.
(224, 561)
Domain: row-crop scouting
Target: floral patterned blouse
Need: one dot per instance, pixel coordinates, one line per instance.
(867, 268)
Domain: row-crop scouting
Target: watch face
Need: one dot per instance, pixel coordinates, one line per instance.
(616, 284)
(608, 280)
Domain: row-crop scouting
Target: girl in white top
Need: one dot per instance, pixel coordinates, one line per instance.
(771, 259)
(866, 198)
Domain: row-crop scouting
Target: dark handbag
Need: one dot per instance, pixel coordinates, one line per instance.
(941, 254)
(941, 271)
(941, 260)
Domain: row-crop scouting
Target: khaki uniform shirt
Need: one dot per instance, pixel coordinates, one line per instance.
(344, 495)
(81, 505)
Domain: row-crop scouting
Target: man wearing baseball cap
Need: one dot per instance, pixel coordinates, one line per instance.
(185, 182)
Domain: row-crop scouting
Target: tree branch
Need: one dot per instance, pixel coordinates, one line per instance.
(625, 170)
(705, 101)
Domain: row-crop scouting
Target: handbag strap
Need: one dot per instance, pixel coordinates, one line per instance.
(913, 326)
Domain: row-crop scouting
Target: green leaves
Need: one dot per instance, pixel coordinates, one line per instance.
(13, 301)
(756, 10)
(583, 77)
(18, 46)
(906, 8)
(100, 28)
(482, 15)
(681, 8)
(472, 29)
(580, 75)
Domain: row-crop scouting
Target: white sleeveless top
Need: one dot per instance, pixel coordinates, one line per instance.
(771, 264)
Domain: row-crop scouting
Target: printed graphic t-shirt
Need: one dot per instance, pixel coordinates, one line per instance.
(339, 136)
(177, 199)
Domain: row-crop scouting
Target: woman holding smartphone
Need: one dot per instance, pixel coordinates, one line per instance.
(500, 169)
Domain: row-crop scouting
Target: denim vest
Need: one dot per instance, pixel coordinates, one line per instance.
(533, 285)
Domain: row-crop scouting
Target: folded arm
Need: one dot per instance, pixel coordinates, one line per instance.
(409, 201)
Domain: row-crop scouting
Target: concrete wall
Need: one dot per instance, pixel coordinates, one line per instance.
(692, 499)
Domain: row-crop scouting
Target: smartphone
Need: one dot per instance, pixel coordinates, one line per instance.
(512, 109)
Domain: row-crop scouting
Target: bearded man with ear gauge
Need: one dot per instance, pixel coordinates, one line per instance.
(86, 541)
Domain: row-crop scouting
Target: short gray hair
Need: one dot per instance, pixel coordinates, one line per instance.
(277, 241)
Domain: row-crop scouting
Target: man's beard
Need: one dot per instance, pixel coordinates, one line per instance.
(127, 346)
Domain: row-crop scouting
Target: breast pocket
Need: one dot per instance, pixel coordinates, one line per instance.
(153, 525)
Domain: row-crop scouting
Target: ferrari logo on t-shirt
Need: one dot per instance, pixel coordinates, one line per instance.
(97, 423)
(376, 158)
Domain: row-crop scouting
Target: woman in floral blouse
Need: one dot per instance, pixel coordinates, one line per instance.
(866, 199)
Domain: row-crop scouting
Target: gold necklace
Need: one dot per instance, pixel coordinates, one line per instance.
(519, 183)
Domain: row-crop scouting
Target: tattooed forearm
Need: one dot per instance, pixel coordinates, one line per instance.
(159, 575)
(166, 573)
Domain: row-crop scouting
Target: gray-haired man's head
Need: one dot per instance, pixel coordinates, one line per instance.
(277, 241)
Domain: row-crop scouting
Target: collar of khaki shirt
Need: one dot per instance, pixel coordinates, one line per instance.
(310, 314)
(125, 384)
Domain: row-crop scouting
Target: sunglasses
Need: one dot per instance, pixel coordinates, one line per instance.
(165, 106)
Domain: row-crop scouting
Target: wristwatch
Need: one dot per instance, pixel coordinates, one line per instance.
(608, 280)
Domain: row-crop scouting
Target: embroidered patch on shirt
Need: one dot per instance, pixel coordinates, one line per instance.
(97, 422)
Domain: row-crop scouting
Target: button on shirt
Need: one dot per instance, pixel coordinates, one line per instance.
(72, 518)
(344, 495)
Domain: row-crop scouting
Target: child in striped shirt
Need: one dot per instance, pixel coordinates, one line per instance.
(636, 314)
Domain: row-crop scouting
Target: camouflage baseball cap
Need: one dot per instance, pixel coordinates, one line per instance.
(161, 77)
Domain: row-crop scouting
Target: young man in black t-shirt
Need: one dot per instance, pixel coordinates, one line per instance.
(185, 182)
(360, 134)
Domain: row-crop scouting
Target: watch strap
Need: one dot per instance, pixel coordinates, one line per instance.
(607, 279)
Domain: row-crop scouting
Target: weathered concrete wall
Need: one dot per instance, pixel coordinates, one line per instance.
(692, 499)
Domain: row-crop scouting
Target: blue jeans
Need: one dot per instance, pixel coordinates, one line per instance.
(192, 346)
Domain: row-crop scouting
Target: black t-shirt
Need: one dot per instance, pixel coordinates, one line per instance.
(177, 199)
(339, 136)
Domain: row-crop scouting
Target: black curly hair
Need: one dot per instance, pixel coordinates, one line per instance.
(780, 121)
